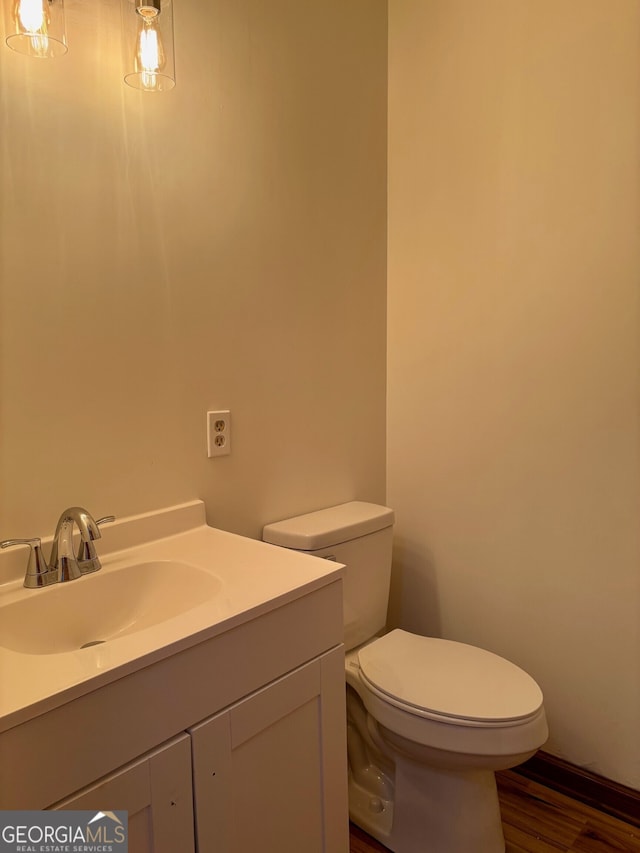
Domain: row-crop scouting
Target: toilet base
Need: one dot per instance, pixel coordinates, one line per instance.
(433, 811)
(371, 813)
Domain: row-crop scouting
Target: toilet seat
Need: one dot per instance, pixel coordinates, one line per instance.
(447, 681)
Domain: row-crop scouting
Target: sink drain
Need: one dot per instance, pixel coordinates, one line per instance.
(92, 643)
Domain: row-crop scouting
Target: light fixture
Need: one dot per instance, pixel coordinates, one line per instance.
(147, 31)
(36, 27)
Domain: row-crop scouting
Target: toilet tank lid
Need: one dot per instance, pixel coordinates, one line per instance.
(327, 527)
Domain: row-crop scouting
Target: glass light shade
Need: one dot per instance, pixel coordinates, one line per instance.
(36, 27)
(147, 33)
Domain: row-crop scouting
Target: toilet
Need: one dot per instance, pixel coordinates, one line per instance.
(429, 721)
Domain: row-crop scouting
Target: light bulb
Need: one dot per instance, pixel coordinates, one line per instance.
(150, 56)
(32, 18)
(32, 15)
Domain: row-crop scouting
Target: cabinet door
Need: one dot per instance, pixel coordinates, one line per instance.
(156, 791)
(270, 772)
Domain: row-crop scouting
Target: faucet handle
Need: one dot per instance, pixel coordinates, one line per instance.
(38, 573)
(88, 560)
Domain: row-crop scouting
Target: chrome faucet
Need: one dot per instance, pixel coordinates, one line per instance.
(63, 564)
(63, 561)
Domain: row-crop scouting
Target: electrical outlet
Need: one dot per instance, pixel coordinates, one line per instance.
(219, 433)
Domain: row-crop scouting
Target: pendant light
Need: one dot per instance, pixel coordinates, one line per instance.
(147, 32)
(36, 27)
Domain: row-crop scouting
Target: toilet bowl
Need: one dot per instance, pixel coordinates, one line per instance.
(428, 720)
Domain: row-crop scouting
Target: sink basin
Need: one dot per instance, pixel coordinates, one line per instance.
(103, 606)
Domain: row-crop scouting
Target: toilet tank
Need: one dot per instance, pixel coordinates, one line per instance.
(359, 535)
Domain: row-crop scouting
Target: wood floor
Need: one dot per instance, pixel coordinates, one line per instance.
(539, 820)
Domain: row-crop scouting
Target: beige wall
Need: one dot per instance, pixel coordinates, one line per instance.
(219, 246)
(513, 425)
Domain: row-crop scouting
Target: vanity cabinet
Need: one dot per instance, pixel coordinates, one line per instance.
(156, 791)
(260, 775)
(231, 744)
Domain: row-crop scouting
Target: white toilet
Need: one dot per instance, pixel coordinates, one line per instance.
(428, 720)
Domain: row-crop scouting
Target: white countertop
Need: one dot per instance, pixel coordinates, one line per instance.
(254, 578)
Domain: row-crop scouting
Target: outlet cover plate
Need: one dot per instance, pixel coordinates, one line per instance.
(219, 433)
